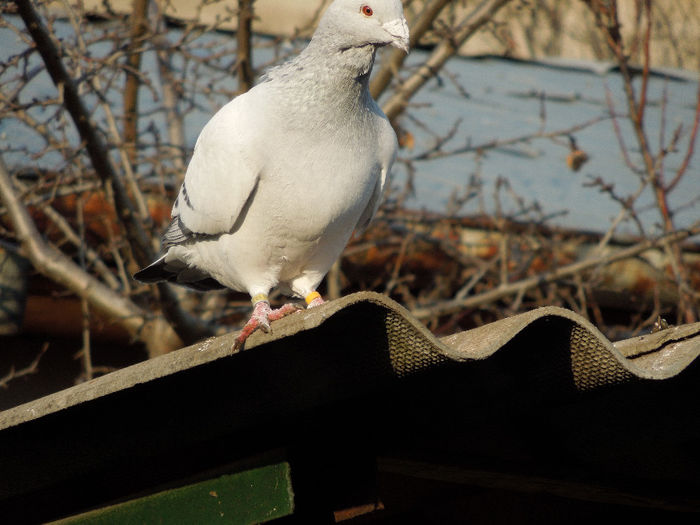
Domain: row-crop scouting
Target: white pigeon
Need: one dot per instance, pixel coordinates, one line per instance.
(282, 175)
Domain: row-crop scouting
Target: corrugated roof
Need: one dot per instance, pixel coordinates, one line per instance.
(411, 348)
(535, 390)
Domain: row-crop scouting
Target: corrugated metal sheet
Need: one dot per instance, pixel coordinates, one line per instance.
(539, 392)
(410, 348)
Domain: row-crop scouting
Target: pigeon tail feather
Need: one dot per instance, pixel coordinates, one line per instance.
(154, 272)
(159, 271)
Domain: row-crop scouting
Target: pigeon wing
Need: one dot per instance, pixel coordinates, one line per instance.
(373, 204)
(388, 146)
(222, 174)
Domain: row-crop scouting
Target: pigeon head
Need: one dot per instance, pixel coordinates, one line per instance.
(359, 23)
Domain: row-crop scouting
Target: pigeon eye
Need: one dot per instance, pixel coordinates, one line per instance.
(366, 10)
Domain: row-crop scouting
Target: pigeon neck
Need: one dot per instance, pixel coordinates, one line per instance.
(324, 77)
(342, 64)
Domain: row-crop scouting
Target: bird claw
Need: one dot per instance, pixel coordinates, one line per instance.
(264, 325)
(260, 320)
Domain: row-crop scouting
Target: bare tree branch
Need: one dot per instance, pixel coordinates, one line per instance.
(691, 145)
(31, 368)
(480, 15)
(189, 328)
(246, 77)
(606, 15)
(420, 26)
(93, 141)
(127, 146)
(454, 305)
(58, 267)
(64, 226)
(139, 27)
(437, 152)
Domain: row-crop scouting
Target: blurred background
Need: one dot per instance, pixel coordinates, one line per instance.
(547, 158)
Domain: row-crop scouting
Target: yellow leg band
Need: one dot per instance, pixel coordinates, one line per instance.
(258, 297)
(311, 297)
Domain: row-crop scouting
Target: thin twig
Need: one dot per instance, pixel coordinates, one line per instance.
(435, 152)
(94, 143)
(419, 27)
(85, 351)
(453, 305)
(31, 368)
(691, 147)
(52, 263)
(187, 327)
(448, 47)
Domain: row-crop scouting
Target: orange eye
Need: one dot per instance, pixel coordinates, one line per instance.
(366, 10)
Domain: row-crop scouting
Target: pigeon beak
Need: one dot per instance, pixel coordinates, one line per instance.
(398, 30)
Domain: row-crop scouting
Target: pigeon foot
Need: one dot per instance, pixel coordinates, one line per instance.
(262, 316)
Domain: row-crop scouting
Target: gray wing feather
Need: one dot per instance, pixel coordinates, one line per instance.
(176, 233)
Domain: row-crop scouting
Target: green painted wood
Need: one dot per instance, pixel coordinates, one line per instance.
(251, 496)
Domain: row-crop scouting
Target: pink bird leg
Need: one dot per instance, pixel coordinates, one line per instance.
(262, 316)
